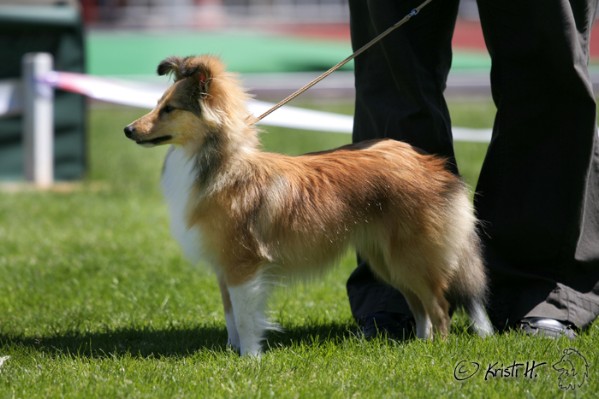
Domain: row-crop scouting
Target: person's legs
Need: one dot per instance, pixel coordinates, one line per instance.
(400, 82)
(399, 94)
(538, 192)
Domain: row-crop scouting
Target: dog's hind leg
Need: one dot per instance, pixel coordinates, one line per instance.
(416, 281)
(435, 307)
(423, 322)
(478, 316)
(249, 303)
(233, 335)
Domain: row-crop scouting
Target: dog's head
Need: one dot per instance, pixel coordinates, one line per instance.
(203, 98)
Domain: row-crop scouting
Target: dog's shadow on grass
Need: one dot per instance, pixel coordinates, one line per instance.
(170, 342)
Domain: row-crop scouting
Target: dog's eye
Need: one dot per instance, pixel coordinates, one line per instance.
(167, 109)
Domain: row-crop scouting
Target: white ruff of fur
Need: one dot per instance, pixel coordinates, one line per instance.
(177, 181)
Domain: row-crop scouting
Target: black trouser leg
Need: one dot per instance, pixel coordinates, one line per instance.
(538, 192)
(399, 94)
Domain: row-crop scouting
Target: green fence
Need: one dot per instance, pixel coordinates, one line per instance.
(57, 30)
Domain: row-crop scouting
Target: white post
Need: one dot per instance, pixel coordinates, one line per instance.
(38, 119)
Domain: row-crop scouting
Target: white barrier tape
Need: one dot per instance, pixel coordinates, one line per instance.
(471, 135)
(146, 95)
(300, 118)
(109, 90)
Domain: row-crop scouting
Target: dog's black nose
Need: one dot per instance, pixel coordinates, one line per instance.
(129, 130)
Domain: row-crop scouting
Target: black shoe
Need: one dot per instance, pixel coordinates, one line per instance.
(546, 327)
(395, 326)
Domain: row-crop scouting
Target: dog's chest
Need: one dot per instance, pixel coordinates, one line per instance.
(177, 181)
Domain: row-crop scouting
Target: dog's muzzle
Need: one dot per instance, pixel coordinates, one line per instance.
(131, 133)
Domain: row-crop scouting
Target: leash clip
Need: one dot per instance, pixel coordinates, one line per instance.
(414, 12)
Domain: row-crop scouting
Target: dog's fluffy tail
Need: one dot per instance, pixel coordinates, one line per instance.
(469, 288)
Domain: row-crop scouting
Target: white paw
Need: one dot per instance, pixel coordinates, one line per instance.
(254, 350)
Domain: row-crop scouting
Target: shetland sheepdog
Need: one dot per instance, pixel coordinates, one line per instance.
(257, 216)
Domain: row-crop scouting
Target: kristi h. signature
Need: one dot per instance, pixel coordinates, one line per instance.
(572, 369)
(467, 369)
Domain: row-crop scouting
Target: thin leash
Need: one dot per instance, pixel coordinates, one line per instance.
(362, 49)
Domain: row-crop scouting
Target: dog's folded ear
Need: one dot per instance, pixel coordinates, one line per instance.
(169, 65)
(187, 67)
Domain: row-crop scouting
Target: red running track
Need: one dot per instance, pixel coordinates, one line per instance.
(467, 35)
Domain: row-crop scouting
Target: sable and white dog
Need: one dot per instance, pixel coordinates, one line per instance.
(258, 216)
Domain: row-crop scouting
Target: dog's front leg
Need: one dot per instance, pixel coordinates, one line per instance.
(233, 335)
(249, 302)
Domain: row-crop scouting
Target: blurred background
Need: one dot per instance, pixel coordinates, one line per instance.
(218, 13)
(275, 45)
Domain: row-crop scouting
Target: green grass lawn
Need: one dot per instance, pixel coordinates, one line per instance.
(97, 302)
